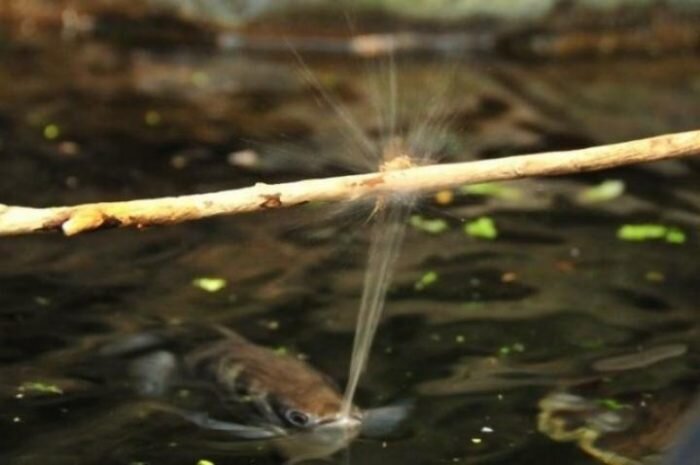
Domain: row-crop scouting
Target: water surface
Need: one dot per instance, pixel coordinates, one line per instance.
(476, 330)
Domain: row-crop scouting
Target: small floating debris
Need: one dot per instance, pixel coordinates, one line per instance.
(68, 148)
(444, 197)
(426, 280)
(243, 159)
(482, 228)
(37, 387)
(152, 118)
(52, 131)
(205, 462)
(434, 226)
(655, 276)
(272, 325)
(607, 190)
(42, 301)
(651, 231)
(209, 284)
(511, 349)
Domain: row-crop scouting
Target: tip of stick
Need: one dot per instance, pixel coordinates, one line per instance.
(81, 221)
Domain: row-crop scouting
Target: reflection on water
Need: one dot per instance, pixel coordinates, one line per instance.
(477, 330)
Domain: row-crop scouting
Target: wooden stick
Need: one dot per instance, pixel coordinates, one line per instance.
(168, 210)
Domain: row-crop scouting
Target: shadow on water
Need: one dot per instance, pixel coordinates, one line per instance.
(479, 328)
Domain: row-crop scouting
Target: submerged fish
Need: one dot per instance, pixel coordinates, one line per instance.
(254, 393)
(685, 449)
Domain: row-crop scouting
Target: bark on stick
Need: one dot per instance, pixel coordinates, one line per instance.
(76, 219)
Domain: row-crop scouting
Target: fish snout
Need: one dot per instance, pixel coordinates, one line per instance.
(350, 423)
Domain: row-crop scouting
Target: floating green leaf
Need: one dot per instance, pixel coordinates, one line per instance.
(641, 232)
(37, 387)
(605, 191)
(426, 280)
(675, 236)
(483, 228)
(209, 284)
(491, 189)
(646, 232)
(205, 462)
(435, 226)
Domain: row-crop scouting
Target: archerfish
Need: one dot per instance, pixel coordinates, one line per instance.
(253, 393)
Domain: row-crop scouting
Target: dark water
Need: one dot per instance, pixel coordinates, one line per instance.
(506, 322)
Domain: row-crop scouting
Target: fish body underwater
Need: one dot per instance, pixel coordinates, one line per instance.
(686, 448)
(254, 393)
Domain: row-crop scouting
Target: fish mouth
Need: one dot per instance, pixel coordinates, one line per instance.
(342, 425)
(353, 420)
(326, 438)
(322, 440)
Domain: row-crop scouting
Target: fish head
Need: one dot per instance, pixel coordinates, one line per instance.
(314, 424)
(303, 418)
(321, 435)
(299, 406)
(312, 403)
(320, 440)
(336, 432)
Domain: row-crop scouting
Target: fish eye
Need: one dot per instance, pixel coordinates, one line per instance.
(297, 418)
